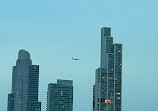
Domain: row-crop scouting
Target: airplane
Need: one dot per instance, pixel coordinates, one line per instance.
(75, 59)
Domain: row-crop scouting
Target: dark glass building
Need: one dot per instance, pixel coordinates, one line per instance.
(107, 91)
(60, 96)
(25, 80)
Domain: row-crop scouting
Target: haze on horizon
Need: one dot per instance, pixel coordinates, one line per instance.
(55, 31)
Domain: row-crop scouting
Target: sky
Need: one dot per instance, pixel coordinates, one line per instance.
(54, 31)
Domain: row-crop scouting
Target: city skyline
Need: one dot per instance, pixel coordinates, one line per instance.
(107, 91)
(55, 31)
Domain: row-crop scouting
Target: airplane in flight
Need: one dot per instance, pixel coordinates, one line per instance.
(75, 59)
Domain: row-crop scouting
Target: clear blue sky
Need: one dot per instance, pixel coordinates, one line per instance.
(54, 31)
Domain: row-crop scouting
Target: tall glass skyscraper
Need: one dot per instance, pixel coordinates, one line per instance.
(107, 91)
(25, 80)
(60, 96)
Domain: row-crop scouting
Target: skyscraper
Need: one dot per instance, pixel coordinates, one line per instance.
(107, 91)
(25, 79)
(60, 96)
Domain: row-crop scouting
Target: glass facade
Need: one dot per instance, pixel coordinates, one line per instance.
(60, 96)
(107, 91)
(10, 102)
(25, 78)
(33, 104)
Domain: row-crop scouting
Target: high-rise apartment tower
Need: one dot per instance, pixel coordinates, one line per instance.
(25, 80)
(60, 96)
(107, 91)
